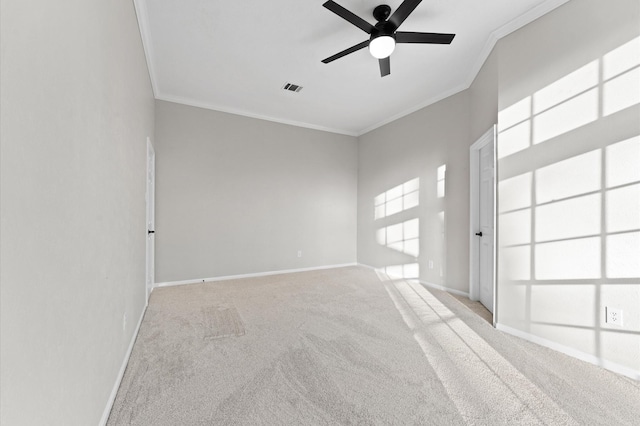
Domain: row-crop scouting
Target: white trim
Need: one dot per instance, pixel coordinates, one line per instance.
(220, 108)
(143, 24)
(575, 353)
(149, 219)
(482, 58)
(519, 22)
(364, 265)
(125, 361)
(258, 274)
(505, 30)
(443, 288)
(474, 216)
(528, 17)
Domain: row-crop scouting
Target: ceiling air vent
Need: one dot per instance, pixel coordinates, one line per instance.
(292, 87)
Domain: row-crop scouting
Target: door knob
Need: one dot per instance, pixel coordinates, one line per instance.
(150, 232)
(479, 234)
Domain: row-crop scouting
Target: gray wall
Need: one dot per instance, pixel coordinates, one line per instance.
(559, 262)
(416, 146)
(569, 179)
(483, 97)
(76, 109)
(237, 195)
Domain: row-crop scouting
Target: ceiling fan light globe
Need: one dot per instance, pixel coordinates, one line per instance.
(382, 47)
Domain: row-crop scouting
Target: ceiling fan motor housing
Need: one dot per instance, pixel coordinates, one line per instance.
(382, 12)
(384, 34)
(383, 28)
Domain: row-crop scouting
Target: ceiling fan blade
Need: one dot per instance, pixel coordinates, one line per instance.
(346, 51)
(403, 11)
(349, 16)
(433, 38)
(385, 66)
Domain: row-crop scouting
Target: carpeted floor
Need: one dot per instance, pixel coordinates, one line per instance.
(477, 307)
(346, 346)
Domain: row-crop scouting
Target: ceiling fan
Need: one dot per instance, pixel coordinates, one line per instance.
(384, 34)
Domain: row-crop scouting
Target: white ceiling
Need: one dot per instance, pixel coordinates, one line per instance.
(235, 56)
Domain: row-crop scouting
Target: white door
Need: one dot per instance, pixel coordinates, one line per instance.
(151, 180)
(486, 226)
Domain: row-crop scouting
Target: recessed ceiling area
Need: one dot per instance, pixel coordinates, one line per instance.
(236, 56)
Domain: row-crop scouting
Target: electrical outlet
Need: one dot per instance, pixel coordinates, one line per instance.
(299, 253)
(124, 322)
(614, 316)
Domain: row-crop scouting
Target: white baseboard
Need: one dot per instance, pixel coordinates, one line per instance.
(258, 274)
(592, 359)
(428, 284)
(125, 361)
(443, 288)
(364, 265)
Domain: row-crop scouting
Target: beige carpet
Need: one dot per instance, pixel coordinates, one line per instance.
(477, 307)
(346, 346)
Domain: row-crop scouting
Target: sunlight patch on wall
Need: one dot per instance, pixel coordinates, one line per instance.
(621, 92)
(515, 139)
(622, 162)
(515, 228)
(569, 230)
(568, 260)
(621, 72)
(567, 87)
(514, 128)
(600, 88)
(397, 199)
(440, 181)
(568, 178)
(515, 192)
(623, 209)
(572, 218)
(566, 116)
(515, 263)
(402, 237)
(623, 254)
(569, 236)
(566, 104)
(621, 59)
(516, 113)
(551, 306)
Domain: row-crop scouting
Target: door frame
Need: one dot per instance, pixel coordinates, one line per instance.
(149, 267)
(474, 217)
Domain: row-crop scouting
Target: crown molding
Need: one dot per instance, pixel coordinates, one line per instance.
(143, 24)
(517, 23)
(220, 108)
